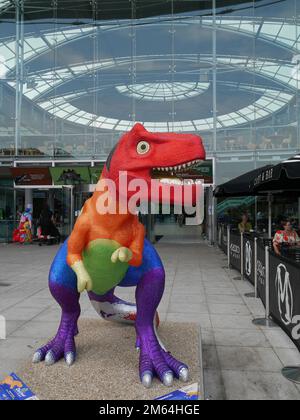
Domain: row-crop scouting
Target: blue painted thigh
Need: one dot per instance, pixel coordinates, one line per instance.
(151, 260)
(60, 272)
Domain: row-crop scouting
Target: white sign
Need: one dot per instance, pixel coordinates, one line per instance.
(285, 294)
(248, 258)
(286, 301)
(2, 328)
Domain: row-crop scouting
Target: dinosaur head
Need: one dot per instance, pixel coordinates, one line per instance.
(146, 156)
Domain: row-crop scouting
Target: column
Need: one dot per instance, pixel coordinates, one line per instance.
(29, 199)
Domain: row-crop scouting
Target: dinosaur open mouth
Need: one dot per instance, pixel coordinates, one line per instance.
(180, 170)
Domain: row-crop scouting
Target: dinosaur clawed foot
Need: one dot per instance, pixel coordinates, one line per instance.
(54, 351)
(62, 346)
(155, 361)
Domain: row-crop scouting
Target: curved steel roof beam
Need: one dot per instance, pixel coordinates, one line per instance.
(281, 73)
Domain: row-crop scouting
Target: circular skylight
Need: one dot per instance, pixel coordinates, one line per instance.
(165, 91)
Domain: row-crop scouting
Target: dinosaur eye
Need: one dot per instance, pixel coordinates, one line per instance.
(143, 147)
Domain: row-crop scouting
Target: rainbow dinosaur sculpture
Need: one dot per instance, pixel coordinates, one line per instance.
(109, 250)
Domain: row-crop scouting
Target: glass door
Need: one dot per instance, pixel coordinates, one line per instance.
(8, 220)
(67, 211)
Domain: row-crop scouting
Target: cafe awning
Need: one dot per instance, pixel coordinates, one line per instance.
(230, 203)
(241, 186)
(283, 178)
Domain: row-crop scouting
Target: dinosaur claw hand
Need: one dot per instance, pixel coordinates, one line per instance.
(122, 254)
(84, 281)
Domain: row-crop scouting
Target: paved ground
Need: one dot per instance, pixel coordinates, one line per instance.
(241, 361)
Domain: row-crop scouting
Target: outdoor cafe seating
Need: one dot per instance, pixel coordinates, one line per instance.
(276, 278)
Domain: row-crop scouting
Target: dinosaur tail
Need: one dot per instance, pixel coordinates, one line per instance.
(112, 308)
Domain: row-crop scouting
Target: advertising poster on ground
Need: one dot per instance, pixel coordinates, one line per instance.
(12, 388)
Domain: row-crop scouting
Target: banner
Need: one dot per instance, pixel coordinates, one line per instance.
(235, 251)
(95, 173)
(261, 271)
(31, 176)
(285, 296)
(73, 175)
(249, 255)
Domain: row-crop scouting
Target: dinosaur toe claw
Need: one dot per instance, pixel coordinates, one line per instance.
(147, 379)
(184, 374)
(168, 379)
(37, 357)
(70, 358)
(50, 358)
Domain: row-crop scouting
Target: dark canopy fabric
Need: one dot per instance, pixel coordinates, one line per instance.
(241, 186)
(283, 178)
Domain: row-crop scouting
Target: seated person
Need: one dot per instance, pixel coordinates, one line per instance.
(47, 227)
(245, 226)
(285, 238)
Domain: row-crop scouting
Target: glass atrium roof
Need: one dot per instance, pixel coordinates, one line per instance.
(163, 92)
(269, 102)
(283, 32)
(4, 3)
(40, 84)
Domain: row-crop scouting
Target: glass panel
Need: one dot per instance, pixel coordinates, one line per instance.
(7, 95)
(67, 211)
(84, 79)
(7, 222)
(276, 130)
(236, 90)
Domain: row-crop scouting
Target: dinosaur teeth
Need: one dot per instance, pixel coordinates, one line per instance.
(182, 167)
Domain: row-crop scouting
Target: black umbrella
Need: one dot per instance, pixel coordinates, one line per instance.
(241, 186)
(283, 178)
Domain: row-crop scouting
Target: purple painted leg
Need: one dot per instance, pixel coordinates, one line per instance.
(154, 359)
(63, 344)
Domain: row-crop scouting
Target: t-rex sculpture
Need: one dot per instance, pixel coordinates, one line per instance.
(109, 250)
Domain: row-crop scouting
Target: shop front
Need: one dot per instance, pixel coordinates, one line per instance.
(65, 188)
(56, 188)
